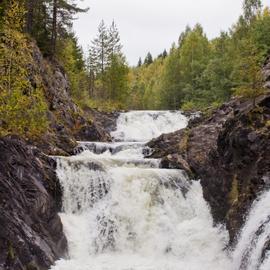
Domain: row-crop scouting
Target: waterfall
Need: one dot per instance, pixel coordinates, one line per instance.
(123, 212)
(146, 125)
(253, 248)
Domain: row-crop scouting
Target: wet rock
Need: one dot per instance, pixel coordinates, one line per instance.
(93, 133)
(31, 235)
(175, 161)
(229, 152)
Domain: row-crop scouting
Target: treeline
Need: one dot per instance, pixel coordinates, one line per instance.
(194, 74)
(199, 72)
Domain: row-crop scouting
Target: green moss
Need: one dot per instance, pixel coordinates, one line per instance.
(234, 193)
(31, 266)
(11, 252)
(183, 145)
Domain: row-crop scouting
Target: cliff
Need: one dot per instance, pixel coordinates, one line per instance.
(31, 235)
(67, 122)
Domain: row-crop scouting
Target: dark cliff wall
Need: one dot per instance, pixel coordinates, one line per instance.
(31, 235)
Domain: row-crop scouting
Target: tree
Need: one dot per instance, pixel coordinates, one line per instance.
(217, 75)
(100, 50)
(248, 72)
(22, 106)
(115, 46)
(62, 16)
(164, 54)
(139, 62)
(148, 59)
(71, 58)
(251, 9)
(107, 67)
(54, 26)
(30, 15)
(194, 56)
(116, 79)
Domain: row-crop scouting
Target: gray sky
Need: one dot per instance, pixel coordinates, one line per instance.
(153, 25)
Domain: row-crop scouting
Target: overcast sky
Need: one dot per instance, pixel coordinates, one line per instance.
(152, 25)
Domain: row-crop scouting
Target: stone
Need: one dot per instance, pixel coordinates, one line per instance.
(31, 232)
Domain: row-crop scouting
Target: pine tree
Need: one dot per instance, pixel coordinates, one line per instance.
(116, 80)
(139, 62)
(148, 59)
(100, 50)
(115, 46)
(164, 54)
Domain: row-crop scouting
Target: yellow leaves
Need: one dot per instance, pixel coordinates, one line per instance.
(266, 12)
(22, 107)
(14, 16)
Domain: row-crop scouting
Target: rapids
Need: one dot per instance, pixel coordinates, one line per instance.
(123, 212)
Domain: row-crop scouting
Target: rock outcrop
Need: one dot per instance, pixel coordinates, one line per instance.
(68, 122)
(31, 235)
(229, 152)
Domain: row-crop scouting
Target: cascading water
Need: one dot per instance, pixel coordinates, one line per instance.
(123, 212)
(252, 251)
(144, 126)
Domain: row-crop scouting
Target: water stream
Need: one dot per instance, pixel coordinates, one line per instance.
(123, 212)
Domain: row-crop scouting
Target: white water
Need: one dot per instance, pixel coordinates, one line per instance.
(254, 235)
(122, 212)
(144, 126)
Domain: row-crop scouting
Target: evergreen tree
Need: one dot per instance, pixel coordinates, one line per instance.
(107, 68)
(100, 50)
(139, 62)
(164, 54)
(115, 46)
(148, 59)
(116, 81)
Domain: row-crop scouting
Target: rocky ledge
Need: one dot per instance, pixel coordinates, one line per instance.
(31, 234)
(229, 152)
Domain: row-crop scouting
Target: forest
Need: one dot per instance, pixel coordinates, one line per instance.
(195, 74)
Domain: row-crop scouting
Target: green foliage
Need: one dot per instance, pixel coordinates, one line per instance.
(148, 59)
(71, 58)
(198, 73)
(189, 106)
(22, 107)
(116, 79)
(107, 68)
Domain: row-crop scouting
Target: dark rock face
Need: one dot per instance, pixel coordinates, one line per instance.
(99, 130)
(229, 152)
(31, 235)
(68, 122)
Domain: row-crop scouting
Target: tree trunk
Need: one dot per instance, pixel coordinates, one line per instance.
(54, 27)
(30, 16)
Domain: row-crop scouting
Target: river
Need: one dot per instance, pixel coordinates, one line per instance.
(123, 212)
